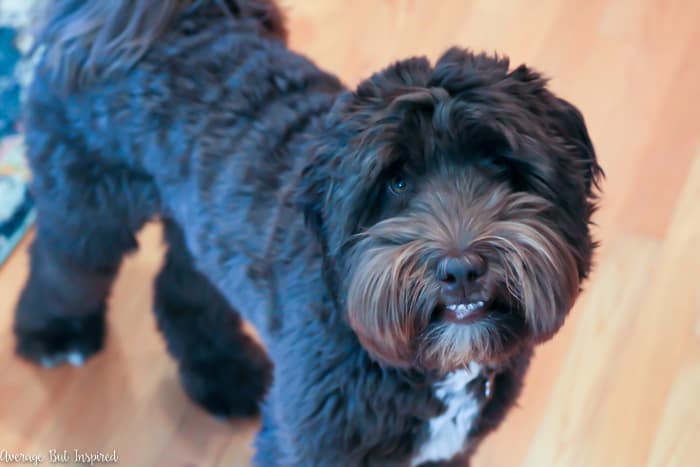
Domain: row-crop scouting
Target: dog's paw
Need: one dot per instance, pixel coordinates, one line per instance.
(225, 390)
(62, 341)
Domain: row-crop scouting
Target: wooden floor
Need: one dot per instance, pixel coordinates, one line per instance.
(619, 386)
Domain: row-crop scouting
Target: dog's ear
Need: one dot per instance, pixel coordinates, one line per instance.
(564, 159)
(570, 125)
(350, 150)
(335, 184)
(564, 122)
(314, 185)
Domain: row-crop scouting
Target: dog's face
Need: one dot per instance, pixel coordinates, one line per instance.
(454, 204)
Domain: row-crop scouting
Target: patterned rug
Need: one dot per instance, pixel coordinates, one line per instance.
(16, 206)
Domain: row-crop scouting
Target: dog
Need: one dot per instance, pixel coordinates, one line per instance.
(401, 248)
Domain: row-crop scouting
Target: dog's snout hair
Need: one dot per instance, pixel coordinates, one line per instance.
(394, 286)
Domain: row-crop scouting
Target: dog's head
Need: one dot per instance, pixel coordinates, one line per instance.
(454, 204)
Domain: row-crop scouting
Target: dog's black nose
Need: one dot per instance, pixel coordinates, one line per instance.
(458, 272)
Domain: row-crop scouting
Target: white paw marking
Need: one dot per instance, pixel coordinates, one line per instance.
(448, 431)
(51, 361)
(75, 358)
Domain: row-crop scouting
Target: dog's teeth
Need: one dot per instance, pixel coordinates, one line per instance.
(462, 310)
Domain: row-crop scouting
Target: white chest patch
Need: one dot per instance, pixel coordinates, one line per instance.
(448, 431)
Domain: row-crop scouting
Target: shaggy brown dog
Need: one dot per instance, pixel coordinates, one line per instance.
(400, 248)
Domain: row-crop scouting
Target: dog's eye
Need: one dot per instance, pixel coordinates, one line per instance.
(398, 184)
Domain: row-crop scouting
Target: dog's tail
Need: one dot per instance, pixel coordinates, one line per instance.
(86, 40)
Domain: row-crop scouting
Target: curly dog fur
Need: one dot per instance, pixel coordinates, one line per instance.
(400, 248)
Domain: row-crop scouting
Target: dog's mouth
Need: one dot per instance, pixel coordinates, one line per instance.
(462, 313)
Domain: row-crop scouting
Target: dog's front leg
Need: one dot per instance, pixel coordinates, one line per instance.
(331, 405)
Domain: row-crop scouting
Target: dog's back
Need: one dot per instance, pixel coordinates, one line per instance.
(147, 96)
(89, 40)
(114, 71)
